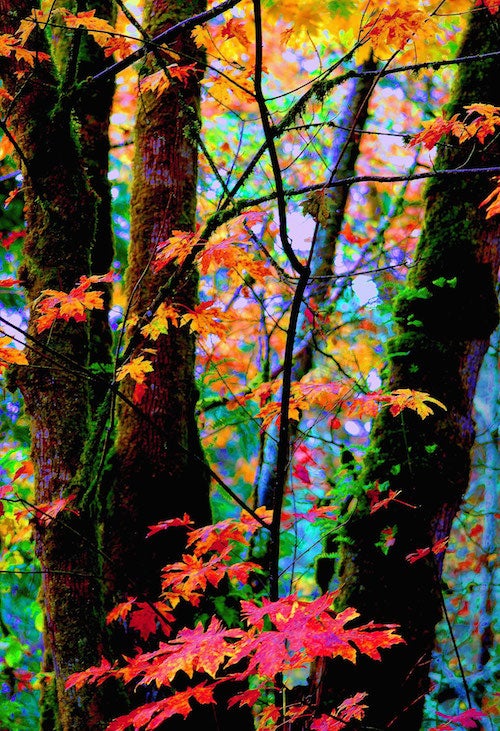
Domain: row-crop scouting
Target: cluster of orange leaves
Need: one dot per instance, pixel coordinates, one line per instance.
(274, 637)
(334, 396)
(392, 26)
(11, 44)
(480, 121)
(101, 31)
(56, 305)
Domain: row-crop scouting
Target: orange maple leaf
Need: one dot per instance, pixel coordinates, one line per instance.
(176, 248)
(235, 28)
(434, 129)
(101, 31)
(10, 354)
(392, 27)
(55, 305)
(136, 369)
(182, 73)
(492, 202)
(206, 319)
(121, 611)
(185, 521)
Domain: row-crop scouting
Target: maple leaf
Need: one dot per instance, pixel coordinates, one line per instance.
(185, 521)
(420, 553)
(193, 650)
(433, 131)
(9, 282)
(246, 697)
(350, 709)
(220, 536)
(136, 369)
(206, 319)
(37, 19)
(166, 315)
(407, 398)
(121, 611)
(46, 512)
(485, 119)
(25, 470)
(56, 305)
(309, 629)
(376, 502)
(12, 44)
(326, 395)
(270, 713)
(176, 248)
(182, 73)
(101, 31)
(95, 674)
(152, 715)
(392, 27)
(193, 573)
(492, 5)
(235, 28)
(157, 82)
(492, 202)
(221, 252)
(7, 44)
(10, 354)
(147, 621)
(271, 411)
(466, 719)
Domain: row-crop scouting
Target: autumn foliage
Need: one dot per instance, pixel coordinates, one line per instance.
(288, 347)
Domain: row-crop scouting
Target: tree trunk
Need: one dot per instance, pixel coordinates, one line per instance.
(444, 317)
(159, 470)
(60, 211)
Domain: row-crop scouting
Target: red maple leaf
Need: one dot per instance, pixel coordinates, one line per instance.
(154, 714)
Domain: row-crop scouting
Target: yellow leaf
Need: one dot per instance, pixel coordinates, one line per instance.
(165, 316)
(407, 398)
(136, 369)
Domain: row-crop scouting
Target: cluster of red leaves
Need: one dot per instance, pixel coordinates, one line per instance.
(274, 637)
(479, 122)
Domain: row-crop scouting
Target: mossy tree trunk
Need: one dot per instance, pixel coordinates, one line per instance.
(159, 470)
(62, 211)
(444, 318)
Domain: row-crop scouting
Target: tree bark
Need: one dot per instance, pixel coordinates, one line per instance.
(159, 467)
(444, 318)
(60, 212)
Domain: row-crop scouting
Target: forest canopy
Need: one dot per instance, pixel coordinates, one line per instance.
(249, 361)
